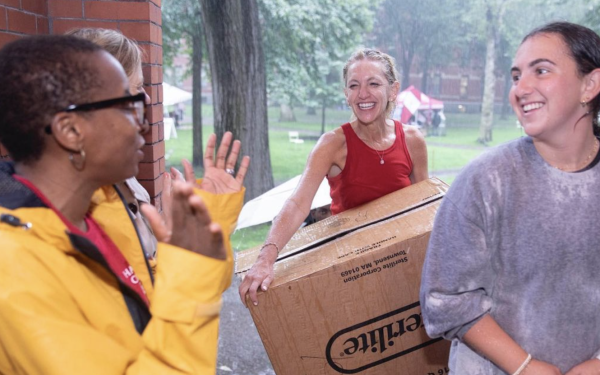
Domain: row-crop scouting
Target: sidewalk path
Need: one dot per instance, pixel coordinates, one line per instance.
(241, 351)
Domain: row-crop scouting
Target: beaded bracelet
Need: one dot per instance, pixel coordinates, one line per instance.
(523, 365)
(270, 243)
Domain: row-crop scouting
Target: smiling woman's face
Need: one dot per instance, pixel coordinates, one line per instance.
(547, 89)
(368, 91)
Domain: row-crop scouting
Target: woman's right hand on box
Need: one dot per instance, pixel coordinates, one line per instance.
(259, 276)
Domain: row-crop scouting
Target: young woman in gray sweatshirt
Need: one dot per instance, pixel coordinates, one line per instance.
(512, 274)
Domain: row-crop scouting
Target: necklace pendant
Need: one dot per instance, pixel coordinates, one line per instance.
(381, 161)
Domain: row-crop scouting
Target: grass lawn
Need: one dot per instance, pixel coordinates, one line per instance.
(447, 154)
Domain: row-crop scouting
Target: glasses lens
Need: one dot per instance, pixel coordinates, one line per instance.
(140, 111)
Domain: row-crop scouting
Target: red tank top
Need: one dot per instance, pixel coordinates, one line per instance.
(364, 178)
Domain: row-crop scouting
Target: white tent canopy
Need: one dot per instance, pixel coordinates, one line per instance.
(173, 95)
(264, 208)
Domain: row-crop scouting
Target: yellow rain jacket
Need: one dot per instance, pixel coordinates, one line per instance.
(63, 312)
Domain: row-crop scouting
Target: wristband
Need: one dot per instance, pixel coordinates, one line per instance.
(523, 365)
(270, 243)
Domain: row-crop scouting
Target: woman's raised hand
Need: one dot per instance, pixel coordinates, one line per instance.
(191, 227)
(220, 176)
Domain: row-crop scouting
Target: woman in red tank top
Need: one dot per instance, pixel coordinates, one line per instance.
(367, 158)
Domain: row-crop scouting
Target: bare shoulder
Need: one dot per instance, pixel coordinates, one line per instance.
(412, 131)
(331, 141)
(414, 137)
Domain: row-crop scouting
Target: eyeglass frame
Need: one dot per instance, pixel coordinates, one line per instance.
(141, 97)
(103, 104)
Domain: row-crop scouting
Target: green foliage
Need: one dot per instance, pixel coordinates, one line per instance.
(592, 15)
(305, 43)
(247, 238)
(425, 29)
(182, 21)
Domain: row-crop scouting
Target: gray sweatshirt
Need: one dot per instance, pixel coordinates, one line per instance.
(519, 240)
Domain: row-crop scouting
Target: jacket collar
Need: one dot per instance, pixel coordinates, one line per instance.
(14, 194)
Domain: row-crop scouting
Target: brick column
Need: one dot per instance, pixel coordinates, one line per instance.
(137, 19)
(19, 18)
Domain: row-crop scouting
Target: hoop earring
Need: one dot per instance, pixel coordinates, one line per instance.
(78, 165)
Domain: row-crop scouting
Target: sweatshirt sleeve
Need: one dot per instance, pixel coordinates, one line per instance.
(457, 278)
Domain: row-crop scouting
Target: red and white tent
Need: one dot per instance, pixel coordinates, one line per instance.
(411, 100)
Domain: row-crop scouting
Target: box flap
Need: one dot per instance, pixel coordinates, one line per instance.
(383, 208)
(408, 225)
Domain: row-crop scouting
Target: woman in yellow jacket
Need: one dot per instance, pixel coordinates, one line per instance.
(76, 292)
(219, 179)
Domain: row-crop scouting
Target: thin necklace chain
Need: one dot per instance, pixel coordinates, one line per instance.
(586, 162)
(381, 161)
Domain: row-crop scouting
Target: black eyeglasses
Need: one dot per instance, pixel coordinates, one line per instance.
(137, 103)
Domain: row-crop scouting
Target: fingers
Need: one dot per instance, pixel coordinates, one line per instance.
(241, 174)
(218, 241)
(167, 201)
(252, 293)
(193, 228)
(266, 283)
(242, 290)
(198, 207)
(160, 230)
(176, 173)
(188, 171)
(209, 153)
(181, 210)
(248, 288)
(259, 276)
(233, 155)
(224, 149)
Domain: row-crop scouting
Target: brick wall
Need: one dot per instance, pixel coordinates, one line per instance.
(137, 19)
(19, 18)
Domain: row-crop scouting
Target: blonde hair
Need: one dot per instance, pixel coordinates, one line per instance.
(125, 50)
(387, 61)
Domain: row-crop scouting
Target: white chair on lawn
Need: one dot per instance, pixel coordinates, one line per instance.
(169, 128)
(295, 137)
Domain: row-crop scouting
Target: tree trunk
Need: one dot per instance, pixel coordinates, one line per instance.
(237, 66)
(487, 105)
(505, 104)
(286, 113)
(489, 80)
(406, 63)
(425, 68)
(197, 148)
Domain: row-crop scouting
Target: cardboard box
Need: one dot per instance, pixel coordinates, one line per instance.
(338, 225)
(351, 303)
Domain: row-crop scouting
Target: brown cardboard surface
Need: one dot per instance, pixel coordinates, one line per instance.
(351, 305)
(347, 221)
